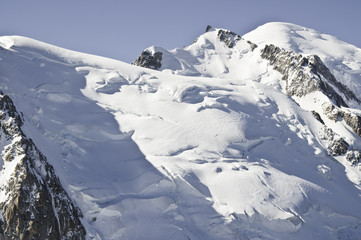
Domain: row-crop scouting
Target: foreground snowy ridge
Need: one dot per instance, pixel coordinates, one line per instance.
(34, 205)
(253, 137)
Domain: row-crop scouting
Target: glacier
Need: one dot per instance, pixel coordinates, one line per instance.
(222, 139)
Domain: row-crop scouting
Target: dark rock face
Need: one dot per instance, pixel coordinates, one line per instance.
(228, 37)
(339, 147)
(149, 60)
(209, 27)
(35, 206)
(352, 120)
(319, 67)
(252, 45)
(317, 116)
(231, 39)
(331, 112)
(337, 114)
(304, 75)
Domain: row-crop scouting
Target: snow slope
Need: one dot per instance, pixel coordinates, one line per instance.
(209, 147)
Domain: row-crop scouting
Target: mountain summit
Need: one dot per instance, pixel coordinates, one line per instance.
(232, 137)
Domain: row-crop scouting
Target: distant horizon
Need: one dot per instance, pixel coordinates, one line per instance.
(122, 30)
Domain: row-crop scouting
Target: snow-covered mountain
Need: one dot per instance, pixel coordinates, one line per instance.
(252, 137)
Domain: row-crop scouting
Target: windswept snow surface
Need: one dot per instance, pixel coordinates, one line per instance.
(207, 148)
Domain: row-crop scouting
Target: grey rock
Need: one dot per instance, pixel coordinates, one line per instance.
(337, 114)
(228, 37)
(318, 67)
(304, 75)
(331, 112)
(339, 147)
(149, 60)
(318, 117)
(36, 206)
(252, 45)
(209, 27)
(352, 120)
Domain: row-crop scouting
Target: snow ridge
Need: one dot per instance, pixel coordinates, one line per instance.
(222, 139)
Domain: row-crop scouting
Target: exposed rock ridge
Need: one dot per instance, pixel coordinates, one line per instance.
(230, 38)
(304, 75)
(337, 146)
(351, 119)
(209, 27)
(318, 67)
(33, 203)
(149, 60)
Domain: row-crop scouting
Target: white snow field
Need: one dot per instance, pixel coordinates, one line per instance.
(209, 147)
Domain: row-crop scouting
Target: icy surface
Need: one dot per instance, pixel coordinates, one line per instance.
(209, 147)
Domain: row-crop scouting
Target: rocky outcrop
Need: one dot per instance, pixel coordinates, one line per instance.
(304, 75)
(149, 60)
(352, 120)
(337, 146)
(318, 117)
(228, 37)
(252, 45)
(209, 27)
(33, 203)
(318, 67)
(231, 39)
(338, 114)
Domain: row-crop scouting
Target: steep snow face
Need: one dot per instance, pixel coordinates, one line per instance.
(121, 194)
(209, 147)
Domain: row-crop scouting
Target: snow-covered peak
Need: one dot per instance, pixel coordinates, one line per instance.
(222, 142)
(215, 53)
(342, 58)
(300, 40)
(223, 54)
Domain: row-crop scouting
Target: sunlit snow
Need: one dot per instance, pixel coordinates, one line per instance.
(209, 147)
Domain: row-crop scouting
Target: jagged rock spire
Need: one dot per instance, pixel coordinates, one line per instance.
(209, 27)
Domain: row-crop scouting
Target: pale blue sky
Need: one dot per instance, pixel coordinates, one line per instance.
(122, 29)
